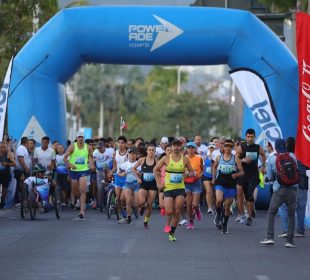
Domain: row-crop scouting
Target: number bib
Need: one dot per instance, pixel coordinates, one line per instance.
(176, 178)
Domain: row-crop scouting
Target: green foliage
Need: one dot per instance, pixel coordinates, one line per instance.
(16, 25)
(281, 5)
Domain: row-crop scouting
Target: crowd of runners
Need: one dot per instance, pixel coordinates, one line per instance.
(177, 174)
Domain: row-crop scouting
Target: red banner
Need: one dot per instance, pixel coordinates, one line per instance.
(302, 149)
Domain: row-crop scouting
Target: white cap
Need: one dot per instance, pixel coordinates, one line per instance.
(211, 145)
(80, 134)
(164, 140)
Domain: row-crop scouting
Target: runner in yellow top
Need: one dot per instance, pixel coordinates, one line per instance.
(81, 159)
(174, 191)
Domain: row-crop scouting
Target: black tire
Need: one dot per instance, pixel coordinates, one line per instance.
(32, 205)
(23, 203)
(57, 202)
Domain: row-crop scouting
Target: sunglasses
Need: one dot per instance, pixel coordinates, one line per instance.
(228, 146)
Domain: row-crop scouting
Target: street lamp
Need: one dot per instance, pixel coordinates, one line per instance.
(179, 72)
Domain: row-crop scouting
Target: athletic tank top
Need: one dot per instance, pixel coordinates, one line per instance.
(251, 151)
(174, 178)
(224, 171)
(120, 159)
(207, 172)
(79, 158)
(148, 178)
(61, 167)
(196, 165)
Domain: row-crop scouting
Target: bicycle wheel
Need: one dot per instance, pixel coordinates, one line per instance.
(57, 202)
(23, 203)
(102, 200)
(115, 205)
(110, 203)
(32, 205)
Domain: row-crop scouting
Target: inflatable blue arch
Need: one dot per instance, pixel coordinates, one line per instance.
(148, 36)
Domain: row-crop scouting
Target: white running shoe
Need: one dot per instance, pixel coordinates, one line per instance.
(183, 222)
(210, 212)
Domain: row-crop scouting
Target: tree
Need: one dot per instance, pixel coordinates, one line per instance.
(285, 5)
(16, 25)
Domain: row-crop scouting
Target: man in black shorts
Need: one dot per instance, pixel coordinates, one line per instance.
(249, 153)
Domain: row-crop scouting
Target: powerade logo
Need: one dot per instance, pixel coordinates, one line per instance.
(152, 36)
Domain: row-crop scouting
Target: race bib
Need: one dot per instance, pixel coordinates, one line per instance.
(251, 155)
(208, 170)
(176, 178)
(226, 169)
(80, 160)
(148, 177)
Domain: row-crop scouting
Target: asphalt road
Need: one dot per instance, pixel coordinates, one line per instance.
(98, 248)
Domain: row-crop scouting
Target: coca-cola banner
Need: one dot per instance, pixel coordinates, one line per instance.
(303, 51)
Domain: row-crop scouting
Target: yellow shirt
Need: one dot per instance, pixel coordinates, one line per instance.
(174, 178)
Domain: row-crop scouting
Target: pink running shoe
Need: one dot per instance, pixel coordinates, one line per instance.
(190, 225)
(167, 228)
(162, 212)
(198, 214)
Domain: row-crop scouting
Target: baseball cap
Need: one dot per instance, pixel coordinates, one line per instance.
(164, 140)
(80, 134)
(211, 145)
(177, 140)
(280, 145)
(191, 144)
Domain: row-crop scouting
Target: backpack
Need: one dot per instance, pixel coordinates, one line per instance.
(286, 169)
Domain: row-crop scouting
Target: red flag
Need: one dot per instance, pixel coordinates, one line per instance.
(123, 125)
(303, 50)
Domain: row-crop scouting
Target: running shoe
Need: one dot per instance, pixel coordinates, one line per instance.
(141, 210)
(81, 216)
(218, 221)
(238, 218)
(190, 225)
(183, 222)
(198, 214)
(249, 222)
(162, 211)
(124, 221)
(267, 241)
(299, 234)
(172, 237)
(283, 235)
(225, 229)
(77, 205)
(94, 205)
(290, 244)
(146, 225)
(210, 212)
(167, 228)
(242, 219)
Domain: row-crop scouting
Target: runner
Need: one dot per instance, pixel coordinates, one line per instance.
(227, 168)
(61, 174)
(81, 159)
(201, 149)
(207, 178)
(162, 146)
(131, 186)
(249, 153)
(120, 157)
(174, 191)
(6, 162)
(167, 227)
(193, 184)
(148, 189)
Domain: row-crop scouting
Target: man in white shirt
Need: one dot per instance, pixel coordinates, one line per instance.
(201, 148)
(45, 155)
(23, 166)
(162, 146)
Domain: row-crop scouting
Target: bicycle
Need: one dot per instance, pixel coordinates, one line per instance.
(35, 195)
(111, 202)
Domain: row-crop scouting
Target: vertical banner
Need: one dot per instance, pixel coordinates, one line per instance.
(257, 97)
(303, 51)
(4, 98)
